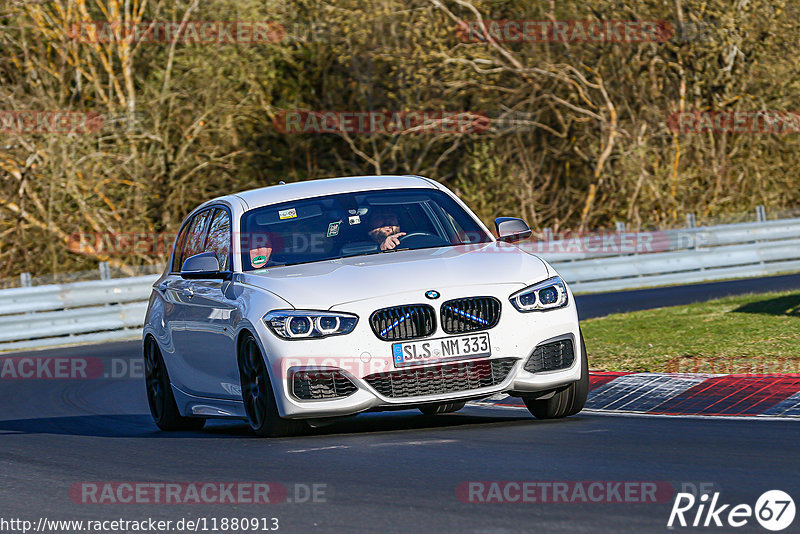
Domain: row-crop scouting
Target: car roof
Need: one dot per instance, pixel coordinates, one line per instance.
(274, 194)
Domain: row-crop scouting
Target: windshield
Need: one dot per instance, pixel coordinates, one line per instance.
(354, 224)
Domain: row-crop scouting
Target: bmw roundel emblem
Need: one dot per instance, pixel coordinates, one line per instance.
(432, 294)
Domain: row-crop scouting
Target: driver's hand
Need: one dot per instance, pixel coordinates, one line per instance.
(392, 241)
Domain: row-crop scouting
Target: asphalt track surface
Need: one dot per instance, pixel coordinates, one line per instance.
(385, 472)
(600, 304)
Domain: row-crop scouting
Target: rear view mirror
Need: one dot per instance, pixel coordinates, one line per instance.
(510, 229)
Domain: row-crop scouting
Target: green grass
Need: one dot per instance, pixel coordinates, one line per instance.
(741, 334)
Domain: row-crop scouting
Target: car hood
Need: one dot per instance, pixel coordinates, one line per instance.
(322, 285)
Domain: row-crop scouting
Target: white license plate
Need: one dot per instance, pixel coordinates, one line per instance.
(436, 350)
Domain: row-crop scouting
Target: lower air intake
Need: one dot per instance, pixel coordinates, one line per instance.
(316, 385)
(438, 379)
(551, 357)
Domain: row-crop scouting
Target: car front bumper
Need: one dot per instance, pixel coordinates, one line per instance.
(362, 354)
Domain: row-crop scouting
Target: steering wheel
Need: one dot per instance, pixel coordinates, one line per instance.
(414, 234)
(421, 240)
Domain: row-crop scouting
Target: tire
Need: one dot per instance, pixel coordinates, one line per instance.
(566, 401)
(445, 407)
(159, 393)
(258, 397)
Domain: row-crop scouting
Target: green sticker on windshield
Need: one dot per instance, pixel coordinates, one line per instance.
(333, 228)
(259, 260)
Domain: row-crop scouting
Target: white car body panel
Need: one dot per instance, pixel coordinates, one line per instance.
(325, 284)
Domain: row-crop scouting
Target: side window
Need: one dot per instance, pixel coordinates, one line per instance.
(196, 236)
(219, 238)
(176, 254)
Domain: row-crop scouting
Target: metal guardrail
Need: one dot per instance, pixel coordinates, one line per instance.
(691, 255)
(75, 295)
(78, 312)
(71, 322)
(567, 250)
(104, 310)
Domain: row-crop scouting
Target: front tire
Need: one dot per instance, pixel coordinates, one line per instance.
(159, 393)
(259, 399)
(566, 401)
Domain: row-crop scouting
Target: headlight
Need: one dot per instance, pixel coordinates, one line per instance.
(547, 295)
(301, 324)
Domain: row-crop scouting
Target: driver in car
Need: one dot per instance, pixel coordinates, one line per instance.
(385, 229)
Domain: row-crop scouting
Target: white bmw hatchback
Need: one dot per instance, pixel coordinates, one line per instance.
(301, 302)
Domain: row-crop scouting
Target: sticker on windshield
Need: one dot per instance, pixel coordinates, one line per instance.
(260, 256)
(333, 229)
(355, 219)
(287, 214)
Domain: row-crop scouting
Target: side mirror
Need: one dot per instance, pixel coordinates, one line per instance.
(204, 265)
(510, 229)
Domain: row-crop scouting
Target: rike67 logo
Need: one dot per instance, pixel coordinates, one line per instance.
(774, 510)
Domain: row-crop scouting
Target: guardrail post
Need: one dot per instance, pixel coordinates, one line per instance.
(620, 227)
(761, 216)
(548, 234)
(105, 272)
(691, 220)
(25, 280)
